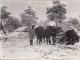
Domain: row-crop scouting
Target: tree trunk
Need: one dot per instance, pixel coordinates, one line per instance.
(2, 27)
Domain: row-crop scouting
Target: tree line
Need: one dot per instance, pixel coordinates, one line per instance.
(56, 13)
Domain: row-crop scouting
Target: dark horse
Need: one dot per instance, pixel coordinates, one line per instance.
(52, 31)
(39, 31)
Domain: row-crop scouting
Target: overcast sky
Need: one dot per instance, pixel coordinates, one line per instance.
(16, 7)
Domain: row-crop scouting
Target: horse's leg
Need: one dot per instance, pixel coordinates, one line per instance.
(44, 39)
(40, 40)
(49, 41)
(53, 40)
(37, 40)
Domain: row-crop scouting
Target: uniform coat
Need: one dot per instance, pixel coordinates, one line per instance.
(31, 33)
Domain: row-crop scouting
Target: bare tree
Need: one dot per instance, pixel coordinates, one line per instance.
(4, 16)
(74, 22)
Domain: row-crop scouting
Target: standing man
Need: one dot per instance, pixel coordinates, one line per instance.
(31, 34)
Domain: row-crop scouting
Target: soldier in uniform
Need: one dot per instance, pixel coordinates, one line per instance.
(31, 34)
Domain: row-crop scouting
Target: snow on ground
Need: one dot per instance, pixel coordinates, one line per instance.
(19, 48)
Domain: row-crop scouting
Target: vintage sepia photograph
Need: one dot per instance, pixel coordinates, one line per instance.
(39, 29)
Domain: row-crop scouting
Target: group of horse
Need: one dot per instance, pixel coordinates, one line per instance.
(52, 35)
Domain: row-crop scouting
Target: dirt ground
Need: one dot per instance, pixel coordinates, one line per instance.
(19, 48)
